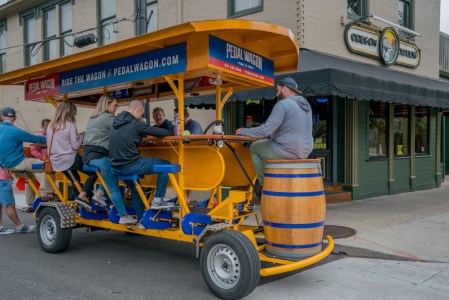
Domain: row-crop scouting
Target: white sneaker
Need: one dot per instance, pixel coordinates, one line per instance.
(4, 230)
(162, 204)
(100, 200)
(26, 228)
(141, 226)
(127, 220)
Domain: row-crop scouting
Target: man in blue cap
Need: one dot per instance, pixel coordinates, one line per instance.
(288, 129)
(11, 150)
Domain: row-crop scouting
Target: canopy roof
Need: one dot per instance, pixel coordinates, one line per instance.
(272, 42)
(322, 75)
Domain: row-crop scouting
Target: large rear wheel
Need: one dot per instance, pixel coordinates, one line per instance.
(230, 264)
(51, 236)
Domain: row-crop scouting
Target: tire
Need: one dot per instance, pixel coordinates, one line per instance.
(51, 236)
(226, 280)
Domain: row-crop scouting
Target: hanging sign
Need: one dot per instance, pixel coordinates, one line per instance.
(230, 57)
(42, 87)
(386, 45)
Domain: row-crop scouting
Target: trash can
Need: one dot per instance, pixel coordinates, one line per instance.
(293, 207)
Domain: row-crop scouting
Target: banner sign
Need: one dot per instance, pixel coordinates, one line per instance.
(367, 41)
(228, 56)
(40, 88)
(170, 60)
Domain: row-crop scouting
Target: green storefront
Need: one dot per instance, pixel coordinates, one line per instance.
(383, 130)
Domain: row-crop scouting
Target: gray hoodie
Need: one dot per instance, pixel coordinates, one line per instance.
(289, 126)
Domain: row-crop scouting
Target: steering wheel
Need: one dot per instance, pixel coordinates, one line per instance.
(216, 122)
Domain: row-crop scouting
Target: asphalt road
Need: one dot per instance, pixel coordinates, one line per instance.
(103, 265)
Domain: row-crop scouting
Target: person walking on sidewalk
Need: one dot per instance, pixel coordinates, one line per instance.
(11, 151)
(96, 152)
(7, 200)
(124, 137)
(288, 129)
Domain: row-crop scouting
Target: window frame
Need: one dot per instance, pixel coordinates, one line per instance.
(101, 36)
(233, 14)
(410, 21)
(364, 10)
(3, 52)
(66, 32)
(45, 32)
(149, 3)
(25, 18)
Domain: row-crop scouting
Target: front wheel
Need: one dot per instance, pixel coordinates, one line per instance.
(51, 236)
(230, 264)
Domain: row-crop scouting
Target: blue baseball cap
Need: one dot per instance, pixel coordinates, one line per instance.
(290, 83)
(9, 112)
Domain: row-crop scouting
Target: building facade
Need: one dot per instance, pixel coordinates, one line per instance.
(371, 70)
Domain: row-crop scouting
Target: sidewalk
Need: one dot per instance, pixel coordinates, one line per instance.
(408, 226)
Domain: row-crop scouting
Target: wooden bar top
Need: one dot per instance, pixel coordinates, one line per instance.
(202, 137)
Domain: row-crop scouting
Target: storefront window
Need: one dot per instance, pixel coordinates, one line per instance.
(320, 115)
(401, 130)
(377, 129)
(422, 130)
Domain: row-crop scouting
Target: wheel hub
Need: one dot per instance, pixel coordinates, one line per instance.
(48, 230)
(224, 266)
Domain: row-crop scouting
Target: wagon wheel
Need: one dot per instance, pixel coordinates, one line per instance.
(230, 264)
(51, 236)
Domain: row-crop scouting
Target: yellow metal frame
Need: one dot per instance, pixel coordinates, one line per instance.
(271, 41)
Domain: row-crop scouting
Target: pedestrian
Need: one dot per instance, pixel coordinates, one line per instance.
(7, 200)
(11, 151)
(192, 126)
(96, 152)
(125, 137)
(287, 131)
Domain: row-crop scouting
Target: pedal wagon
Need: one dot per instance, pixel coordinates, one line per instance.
(230, 238)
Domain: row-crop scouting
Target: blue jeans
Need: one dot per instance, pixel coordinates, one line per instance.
(144, 166)
(104, 164)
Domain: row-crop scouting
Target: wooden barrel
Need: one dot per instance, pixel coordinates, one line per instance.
(293, 207)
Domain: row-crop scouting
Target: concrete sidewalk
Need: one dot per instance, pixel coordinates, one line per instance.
(411, 226)
(408, 226)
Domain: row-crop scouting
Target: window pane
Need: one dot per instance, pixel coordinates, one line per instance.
(108, 33)
(240, 5)
(66, 44)
(30, 30)
(2, 41)
(354, 7)
(50, 23)
(107, 9)
(66, 17)
(401, 129)
(320, 115)
(404, 13)
(152, 25)
(421, 130)
(377, 131)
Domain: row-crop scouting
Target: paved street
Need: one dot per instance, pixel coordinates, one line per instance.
(410, 229)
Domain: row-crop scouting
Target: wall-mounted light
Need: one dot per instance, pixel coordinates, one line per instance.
(85, 40)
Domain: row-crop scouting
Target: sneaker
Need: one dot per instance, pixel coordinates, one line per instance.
(82, 203)
(100, 200)
(141, 226)
(4, 230)
(28, 209)
(162, 204)
(26, 228)
(127, 220)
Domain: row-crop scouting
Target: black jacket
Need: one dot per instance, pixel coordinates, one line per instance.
(125, 136)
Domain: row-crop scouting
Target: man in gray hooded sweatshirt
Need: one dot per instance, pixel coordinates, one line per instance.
(288, 129)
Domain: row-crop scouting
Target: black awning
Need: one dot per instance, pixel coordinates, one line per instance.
(323, 75)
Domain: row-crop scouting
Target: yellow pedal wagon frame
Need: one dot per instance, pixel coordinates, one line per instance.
(227, 55)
